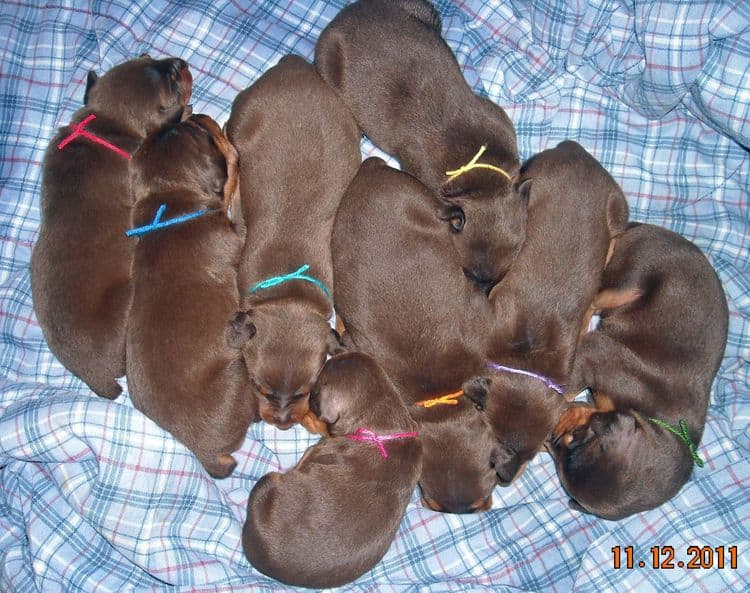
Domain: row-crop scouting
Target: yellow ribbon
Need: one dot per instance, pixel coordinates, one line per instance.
(473, 164)
(445, 400)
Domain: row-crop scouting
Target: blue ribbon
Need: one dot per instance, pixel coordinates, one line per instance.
(157, 223)
(298, 274)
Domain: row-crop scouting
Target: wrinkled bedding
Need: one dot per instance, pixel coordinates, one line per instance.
(95, 497)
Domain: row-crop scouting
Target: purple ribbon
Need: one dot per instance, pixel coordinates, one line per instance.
(365, 435)
(546, 380)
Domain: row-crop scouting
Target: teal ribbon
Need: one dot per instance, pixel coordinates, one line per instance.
(298, 274)
(158, 223)
(683, 435)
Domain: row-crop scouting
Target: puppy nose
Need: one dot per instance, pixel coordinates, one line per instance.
(481, 278)
(283, 420)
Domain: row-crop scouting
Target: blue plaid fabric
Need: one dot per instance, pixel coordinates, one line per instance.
(96, 497)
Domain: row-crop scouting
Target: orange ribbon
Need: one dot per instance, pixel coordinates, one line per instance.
(444, 400)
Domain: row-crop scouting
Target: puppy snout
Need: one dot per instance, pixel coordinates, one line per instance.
(177, 65)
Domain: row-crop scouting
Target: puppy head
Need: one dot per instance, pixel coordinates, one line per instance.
(485, 215)
(522, 411)
(568, 169)
(193, 154)
(614, 464)
(142, 94)
(353, 391)
(286, 347)
(458, 457)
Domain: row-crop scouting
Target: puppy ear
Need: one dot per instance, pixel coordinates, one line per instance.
(617, 213)
(335, 345)
(523, 189)
(476, 390)
(90, 82)
(325, 405)
(239, 330)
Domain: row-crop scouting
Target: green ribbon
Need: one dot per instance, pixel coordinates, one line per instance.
(683, 435)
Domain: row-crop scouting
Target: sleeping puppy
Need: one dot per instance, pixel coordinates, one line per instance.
(403, 298)
(388, 62)
(651, 361)
(80, 267)
(299, 148)
(575, 212)
(333, 516)
(184, 359)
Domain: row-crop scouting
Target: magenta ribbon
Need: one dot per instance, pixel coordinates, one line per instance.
(546, 380)
(80, 131)
(365, 435)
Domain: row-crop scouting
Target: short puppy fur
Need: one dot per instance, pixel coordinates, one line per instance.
(390, 65)
(575, 212)
(334, 515)
(184, 360)
(403, 299)
(80, 267)
(299, 148)
(655, 354)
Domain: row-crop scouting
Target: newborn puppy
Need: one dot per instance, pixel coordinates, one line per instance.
(80, 267)
(299, 148)
(403, 299)
(575, 211)
(404, 86)
(459, 457)
(651, 361)
(184, 360)
(334, 515)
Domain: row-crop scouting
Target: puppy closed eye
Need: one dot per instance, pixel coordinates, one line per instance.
(457, 221)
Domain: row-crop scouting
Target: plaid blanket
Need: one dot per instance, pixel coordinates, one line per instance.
(96, 497)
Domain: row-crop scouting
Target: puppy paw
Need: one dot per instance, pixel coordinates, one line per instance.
(610, 298)
(314, 425)
(239, 330)
(476, 390)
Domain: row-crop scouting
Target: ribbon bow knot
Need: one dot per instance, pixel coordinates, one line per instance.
(79, 130)
(298, 274)
(158, 223)
(474, 164)
(683, 435)
(450, 399)
(365, 435)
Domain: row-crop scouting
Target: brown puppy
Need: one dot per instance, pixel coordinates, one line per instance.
(333, 517)
(401, 81)
(654, 356)
(184, 361)
(298, 148)
(575, 210)
(403, 298)
(80, 267)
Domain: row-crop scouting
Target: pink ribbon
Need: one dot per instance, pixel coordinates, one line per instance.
(80, 131)
(365, 435)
